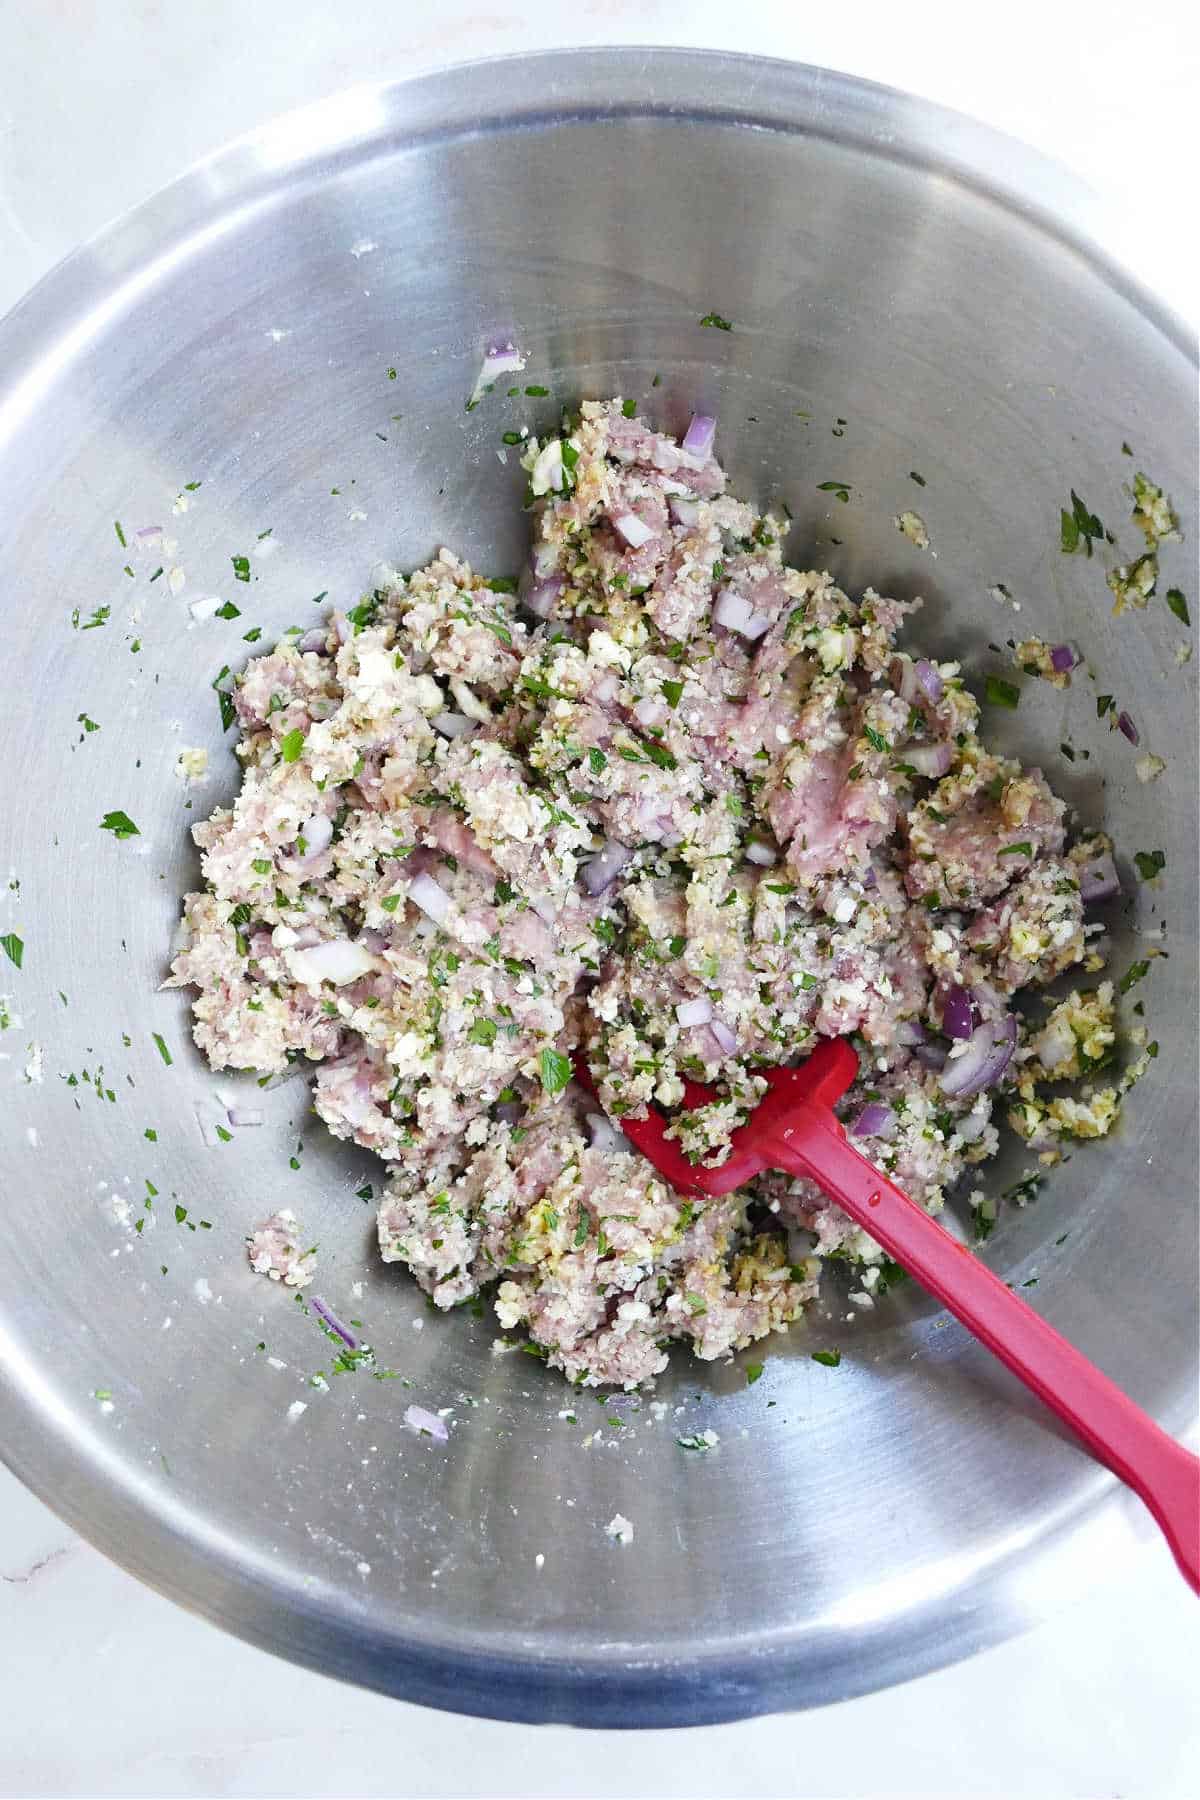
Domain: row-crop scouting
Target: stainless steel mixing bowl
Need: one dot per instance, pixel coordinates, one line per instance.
(907, 291)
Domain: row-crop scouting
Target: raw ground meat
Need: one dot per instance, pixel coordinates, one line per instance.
(673, 803)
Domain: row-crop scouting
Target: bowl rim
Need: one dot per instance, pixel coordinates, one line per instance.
(177, 1552)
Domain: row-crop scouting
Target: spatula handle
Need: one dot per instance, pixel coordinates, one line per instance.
(1116, 1431)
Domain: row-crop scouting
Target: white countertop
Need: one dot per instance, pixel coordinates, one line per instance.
(108, 1689)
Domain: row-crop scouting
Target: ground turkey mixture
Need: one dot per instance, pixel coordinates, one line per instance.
(675, 804)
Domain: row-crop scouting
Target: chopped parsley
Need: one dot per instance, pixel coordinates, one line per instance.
(241, 567)
(556, 1071)
(998, 692)
(291, 744)
(161, 1042)
(672, 691)
(1179, 606)
(120, 824)
(1021, 849)
(841, 489)
(716, 321)
(1150, 863)
(13, 947)
(1134, 973)
(628, 408)
(828, 1358)
(753, 1372)
(229, 611)
(1079, 526)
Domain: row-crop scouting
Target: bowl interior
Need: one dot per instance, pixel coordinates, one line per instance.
(296, 327)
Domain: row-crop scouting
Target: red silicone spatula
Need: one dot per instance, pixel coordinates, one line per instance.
(794, 1128)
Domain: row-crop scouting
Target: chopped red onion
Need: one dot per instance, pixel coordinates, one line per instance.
(903, 676)
(374, 941)
(509, 1111)
(342, 628)
(971, 1126)
(604, 1135)
(603, 868)
(932, 760)
(606, 688)
(244, 1117)
(452, 724)
(735, 613)
(541, 595)
(651, 713)
(931, 1056)
(684, 511)
(426, 1424)
(694, 1012)
(958, 1017)
(544, 560)
(875, 1120)
(698, 438)
(664, 456)
(932, 685)
(149, 536)
(337, 960)
(870, 879)
(985, 1056)
(499, 358)
(324, 1311)
(1127, 728)
(1063, 658)
(757, 851)
(432, 899)
(317, 833)
(1098, 879)
(314, 639)
(547, 471)
(726, 1038)
(910, 1032)
(633, 530)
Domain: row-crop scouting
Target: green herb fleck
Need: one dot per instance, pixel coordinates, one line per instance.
(120, 824)
(1150, 863)
(840, 488)
(1179, 606)
(1133, 974)
(1079, 526)
(13, 947)
(229, 611)
(753, 1373)
(291, 744)
(556, 1071)
(998, 692)
(716, 321)
(828, 1358)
